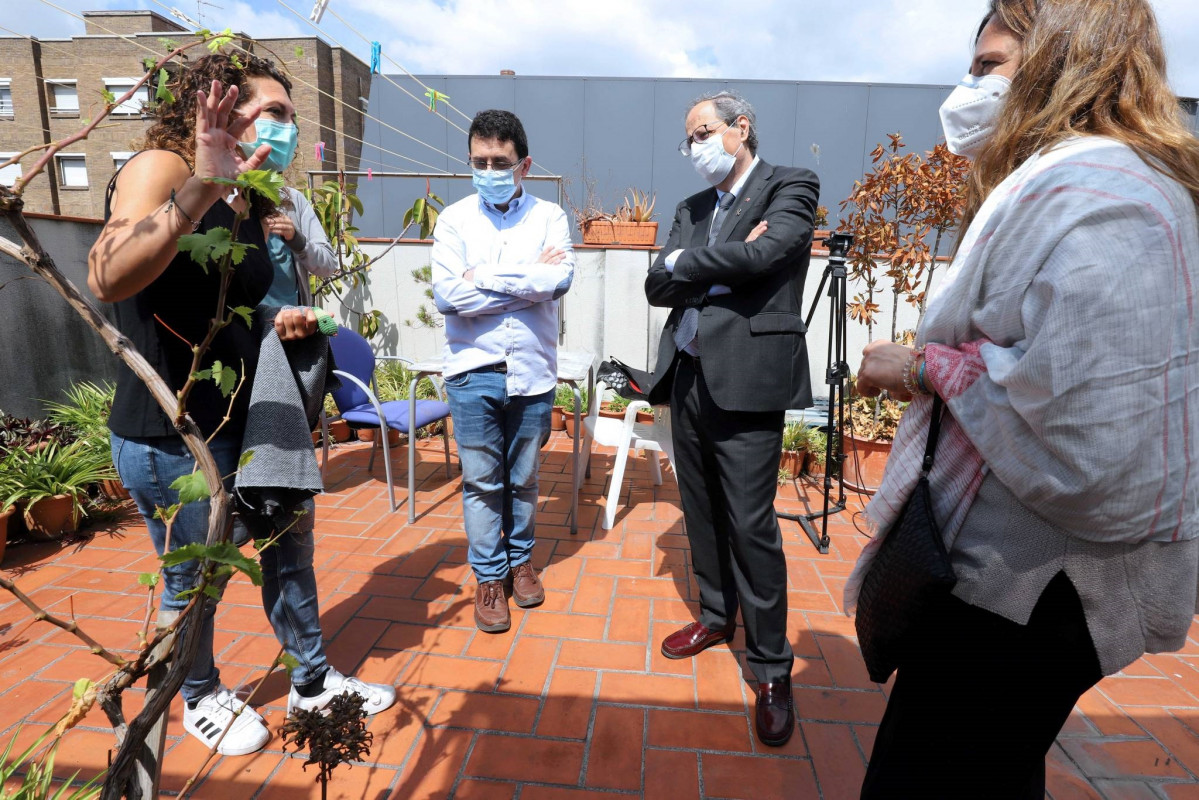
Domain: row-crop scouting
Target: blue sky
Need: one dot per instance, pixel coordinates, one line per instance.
(892, 41)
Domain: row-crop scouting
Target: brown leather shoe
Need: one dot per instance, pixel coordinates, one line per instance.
(691, 639)
(774, 719)
(491, 607)
(526, 586)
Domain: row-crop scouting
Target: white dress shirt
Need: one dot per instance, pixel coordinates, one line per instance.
(508, 311)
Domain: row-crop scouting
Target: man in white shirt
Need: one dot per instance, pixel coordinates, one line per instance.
(501, 259)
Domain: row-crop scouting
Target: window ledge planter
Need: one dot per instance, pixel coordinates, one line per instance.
(606, 231)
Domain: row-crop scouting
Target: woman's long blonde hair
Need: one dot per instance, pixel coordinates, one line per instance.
(1088, 67)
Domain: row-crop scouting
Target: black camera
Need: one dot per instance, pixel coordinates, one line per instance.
(838, 244)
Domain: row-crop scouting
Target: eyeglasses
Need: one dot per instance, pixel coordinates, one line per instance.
(701, 135)
(499, 166)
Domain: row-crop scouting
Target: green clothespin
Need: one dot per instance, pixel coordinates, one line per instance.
(434, 96)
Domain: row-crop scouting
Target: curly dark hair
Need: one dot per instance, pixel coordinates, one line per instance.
(502, 125)
(175, 128)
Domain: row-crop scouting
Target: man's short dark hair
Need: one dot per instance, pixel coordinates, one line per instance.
(498, 124)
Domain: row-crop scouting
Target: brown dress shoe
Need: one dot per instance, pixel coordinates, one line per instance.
(773, 718)
(691, 639)
(526, 587)
(491, 607)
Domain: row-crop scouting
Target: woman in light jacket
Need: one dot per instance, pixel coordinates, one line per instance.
(1063, 340)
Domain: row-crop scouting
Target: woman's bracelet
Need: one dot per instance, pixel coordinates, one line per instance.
(913, 373)
(171, 204)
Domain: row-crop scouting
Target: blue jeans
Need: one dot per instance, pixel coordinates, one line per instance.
(148, 467)
(499, 445)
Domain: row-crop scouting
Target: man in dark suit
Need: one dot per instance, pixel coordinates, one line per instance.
(731, 361)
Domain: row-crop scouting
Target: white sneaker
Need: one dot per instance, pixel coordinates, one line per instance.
(215, 712)
(377, 696)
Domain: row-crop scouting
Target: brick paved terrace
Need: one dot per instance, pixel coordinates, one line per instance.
(575, 701)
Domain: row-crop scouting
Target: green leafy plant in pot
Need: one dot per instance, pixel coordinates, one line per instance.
(51, 483)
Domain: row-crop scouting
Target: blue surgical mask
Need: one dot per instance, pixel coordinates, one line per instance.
(496, 186)
(281, 136)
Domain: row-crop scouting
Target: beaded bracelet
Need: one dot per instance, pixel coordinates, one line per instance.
(911, 373)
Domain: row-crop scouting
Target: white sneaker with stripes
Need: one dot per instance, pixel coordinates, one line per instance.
(216, 712)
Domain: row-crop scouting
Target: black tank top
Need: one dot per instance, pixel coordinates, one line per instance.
(184, 298)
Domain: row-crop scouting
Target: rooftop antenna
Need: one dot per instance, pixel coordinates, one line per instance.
(200, 10)
(179, 15)
(318, 10)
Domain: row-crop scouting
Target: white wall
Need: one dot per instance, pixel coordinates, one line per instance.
(605, 311)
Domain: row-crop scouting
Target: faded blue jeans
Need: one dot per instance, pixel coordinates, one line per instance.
(147, 467)
(499, 445)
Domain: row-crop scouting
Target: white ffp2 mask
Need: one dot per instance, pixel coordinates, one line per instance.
(968, 115)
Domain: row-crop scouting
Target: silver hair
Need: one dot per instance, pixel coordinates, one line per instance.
(729, 106)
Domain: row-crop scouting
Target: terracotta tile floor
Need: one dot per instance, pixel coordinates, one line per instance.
(575, 701)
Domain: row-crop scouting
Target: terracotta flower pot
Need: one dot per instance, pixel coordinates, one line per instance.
(606, 231)
(558, 418)
(811, 467)
(606, 410)
(569, 423)
(645, 416)
(51, 517)
(114, 489)
(7, 524)
(368, 435)
(865, 460)
(339, 431)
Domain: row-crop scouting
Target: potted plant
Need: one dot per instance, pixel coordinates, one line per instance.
(815, 452)
(562, 396)
(52, 482)
(614, 408)
(631, 224)
(794, 437)
(901, 204)
(85, 412)
(569, 411)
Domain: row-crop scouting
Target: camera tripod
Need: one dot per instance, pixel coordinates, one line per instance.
(835, 275)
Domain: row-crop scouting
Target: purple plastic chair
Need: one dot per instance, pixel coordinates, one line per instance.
(357, 404)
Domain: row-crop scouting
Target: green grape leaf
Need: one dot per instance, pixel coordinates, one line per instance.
(245, 313)
(202, 375)
(212, 592)
(223, 553)
(161, 92)
(81, 687)
(147, 579)
(166, 514)
(236, 62)
(246, 458)
(220, 40)
(266, 182)
(212, 246)
(287, 660)
(191, 487)
(109, 97)
(299, 51)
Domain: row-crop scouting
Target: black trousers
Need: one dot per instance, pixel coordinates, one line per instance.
(727, 463)
(979, 700)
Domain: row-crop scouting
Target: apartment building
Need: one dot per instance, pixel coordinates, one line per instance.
(50, 88)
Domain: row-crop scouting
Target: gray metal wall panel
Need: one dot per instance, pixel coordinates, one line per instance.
(829, 133)
(615, 155)
(552, 112)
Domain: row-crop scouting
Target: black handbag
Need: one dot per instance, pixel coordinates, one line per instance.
(909, 572)
(629, 383)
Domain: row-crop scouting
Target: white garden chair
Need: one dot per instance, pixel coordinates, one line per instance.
(626, 434)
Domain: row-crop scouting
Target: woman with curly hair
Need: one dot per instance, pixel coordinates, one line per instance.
(1064, 345)
(230, 117)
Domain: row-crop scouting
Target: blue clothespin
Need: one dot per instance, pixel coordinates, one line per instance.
(376, 58)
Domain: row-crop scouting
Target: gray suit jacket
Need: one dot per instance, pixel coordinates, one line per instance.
(751, 340)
